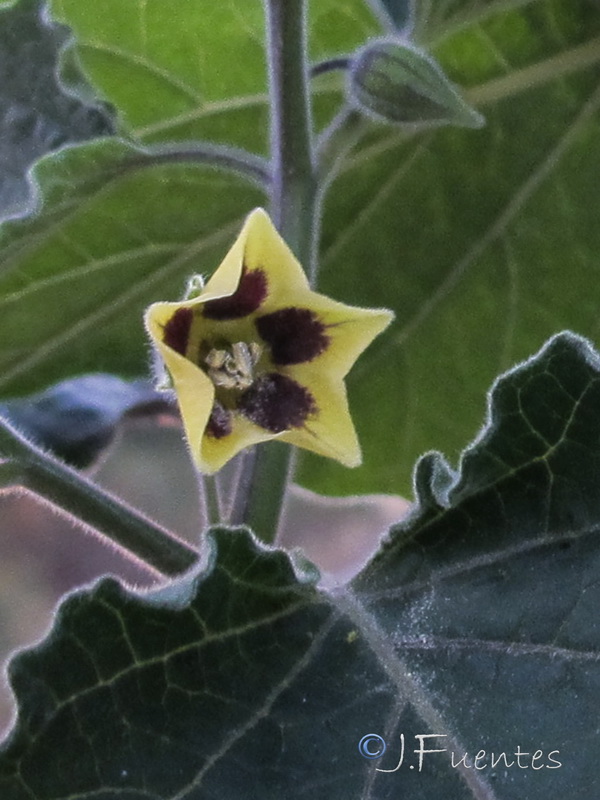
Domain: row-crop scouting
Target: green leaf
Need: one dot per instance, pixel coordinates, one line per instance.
(244, 680)
(78, 418)
(117, 228)
(35, 115)
(394, 81)
(485, 243)
(196, 72)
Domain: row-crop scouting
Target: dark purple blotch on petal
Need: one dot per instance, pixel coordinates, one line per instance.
(295, 335)
(250, 293)
(277, 403)
(176, 332)
(219, 423)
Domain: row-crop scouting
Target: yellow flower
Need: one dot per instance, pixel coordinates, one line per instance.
(258, 355)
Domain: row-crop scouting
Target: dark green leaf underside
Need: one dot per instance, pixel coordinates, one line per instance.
(475, 621)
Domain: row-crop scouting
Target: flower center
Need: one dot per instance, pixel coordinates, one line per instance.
(233, 367)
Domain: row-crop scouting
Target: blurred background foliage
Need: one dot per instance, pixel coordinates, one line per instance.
(36, 115)
(484, 242)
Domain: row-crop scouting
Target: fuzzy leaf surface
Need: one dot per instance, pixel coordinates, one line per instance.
(199, 71)
(476, 621)
(36, 116)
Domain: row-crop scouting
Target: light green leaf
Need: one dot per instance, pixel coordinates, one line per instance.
(484, 242)
(245, 681)
(117, 228)
(108, 238)
(197, 70)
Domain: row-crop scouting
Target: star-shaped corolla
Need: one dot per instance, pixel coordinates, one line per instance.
(258, 355)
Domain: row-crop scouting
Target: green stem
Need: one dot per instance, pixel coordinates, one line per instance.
(295, 212)
(242, 487)
(294, 186)
(212, 501)
(336, 142)
(11, 475)
(248, 165)
(267, 485)
(93, 507)
(330, 65)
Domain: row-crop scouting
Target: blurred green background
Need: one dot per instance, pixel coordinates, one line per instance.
(485, 243)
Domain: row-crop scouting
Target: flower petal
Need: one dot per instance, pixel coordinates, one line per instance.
(260, 294)
(294, 335)
(195, 391)
(261, 265)
(214, 452)
(264, 249)
(248, 297)
(329, 432)
(220, 422)
(176, 331)
(277, 403)
(350, 329)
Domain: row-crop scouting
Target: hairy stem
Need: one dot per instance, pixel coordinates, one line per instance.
(294, 186)
(330, 65)
(212, 499)
(294, 209)
(336, 142)
(93, 507)
(248, 165)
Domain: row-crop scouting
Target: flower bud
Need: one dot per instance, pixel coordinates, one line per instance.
(396, 82)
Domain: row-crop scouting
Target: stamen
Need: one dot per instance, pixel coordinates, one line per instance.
(233, 368)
